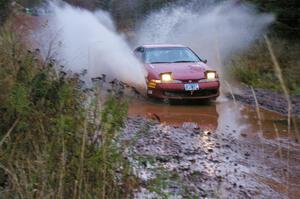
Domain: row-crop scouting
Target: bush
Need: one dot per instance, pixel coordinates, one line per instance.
(55, 140)
(255, 68)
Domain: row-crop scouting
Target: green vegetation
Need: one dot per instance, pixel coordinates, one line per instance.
(56, 141)
(254, 67)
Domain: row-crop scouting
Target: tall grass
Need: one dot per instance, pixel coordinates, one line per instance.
(272, 64)
(279, 75)
(47, 131)
(255, 68)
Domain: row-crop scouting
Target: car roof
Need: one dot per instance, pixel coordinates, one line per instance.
(162, 46)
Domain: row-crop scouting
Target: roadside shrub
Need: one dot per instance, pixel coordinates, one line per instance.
(56, 140)
(255, 68)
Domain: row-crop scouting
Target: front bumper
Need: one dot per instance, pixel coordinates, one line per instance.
(207, 90)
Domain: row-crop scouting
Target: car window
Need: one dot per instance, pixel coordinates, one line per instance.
(170, 55)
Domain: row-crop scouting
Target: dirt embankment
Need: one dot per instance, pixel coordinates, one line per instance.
(268, 99)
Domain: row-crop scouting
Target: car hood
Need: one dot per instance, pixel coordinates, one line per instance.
(180, 71)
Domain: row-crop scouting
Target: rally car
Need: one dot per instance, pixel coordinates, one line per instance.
(177, 72)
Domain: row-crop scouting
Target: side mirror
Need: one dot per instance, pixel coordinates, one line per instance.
(140, 50)
(205, 61)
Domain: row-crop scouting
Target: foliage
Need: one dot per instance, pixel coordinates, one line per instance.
(56, 141)
(254, 67)
(3, 10)
(287, 13)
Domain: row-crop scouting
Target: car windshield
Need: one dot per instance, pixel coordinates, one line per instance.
(170, 55)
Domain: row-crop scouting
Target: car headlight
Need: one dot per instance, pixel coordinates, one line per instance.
(166, 77)
(210, 75)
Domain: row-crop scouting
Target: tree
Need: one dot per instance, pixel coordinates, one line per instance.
(3, 10)
(287, 13)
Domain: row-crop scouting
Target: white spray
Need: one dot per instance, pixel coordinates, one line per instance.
(87, 40)
(216, 31)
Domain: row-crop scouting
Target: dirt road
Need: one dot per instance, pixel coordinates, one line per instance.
(216, 150)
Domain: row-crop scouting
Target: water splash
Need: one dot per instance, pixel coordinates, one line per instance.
(81, 39)
(216, 31)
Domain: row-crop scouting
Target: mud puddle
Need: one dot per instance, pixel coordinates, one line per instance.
(266, 154)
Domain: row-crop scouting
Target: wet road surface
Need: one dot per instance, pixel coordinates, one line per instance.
(275, 149)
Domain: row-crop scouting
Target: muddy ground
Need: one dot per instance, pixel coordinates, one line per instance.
(268, 99)
(216, 150)
(187, 162)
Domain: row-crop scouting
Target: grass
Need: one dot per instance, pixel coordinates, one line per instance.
(254, 67)
(56, 140)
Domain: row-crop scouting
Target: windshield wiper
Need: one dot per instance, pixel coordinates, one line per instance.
(182, 61)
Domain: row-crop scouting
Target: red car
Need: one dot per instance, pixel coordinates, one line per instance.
(176, 72)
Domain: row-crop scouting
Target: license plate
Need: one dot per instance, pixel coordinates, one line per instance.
(191, 87)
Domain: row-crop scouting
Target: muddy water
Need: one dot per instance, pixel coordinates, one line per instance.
(275, 151)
